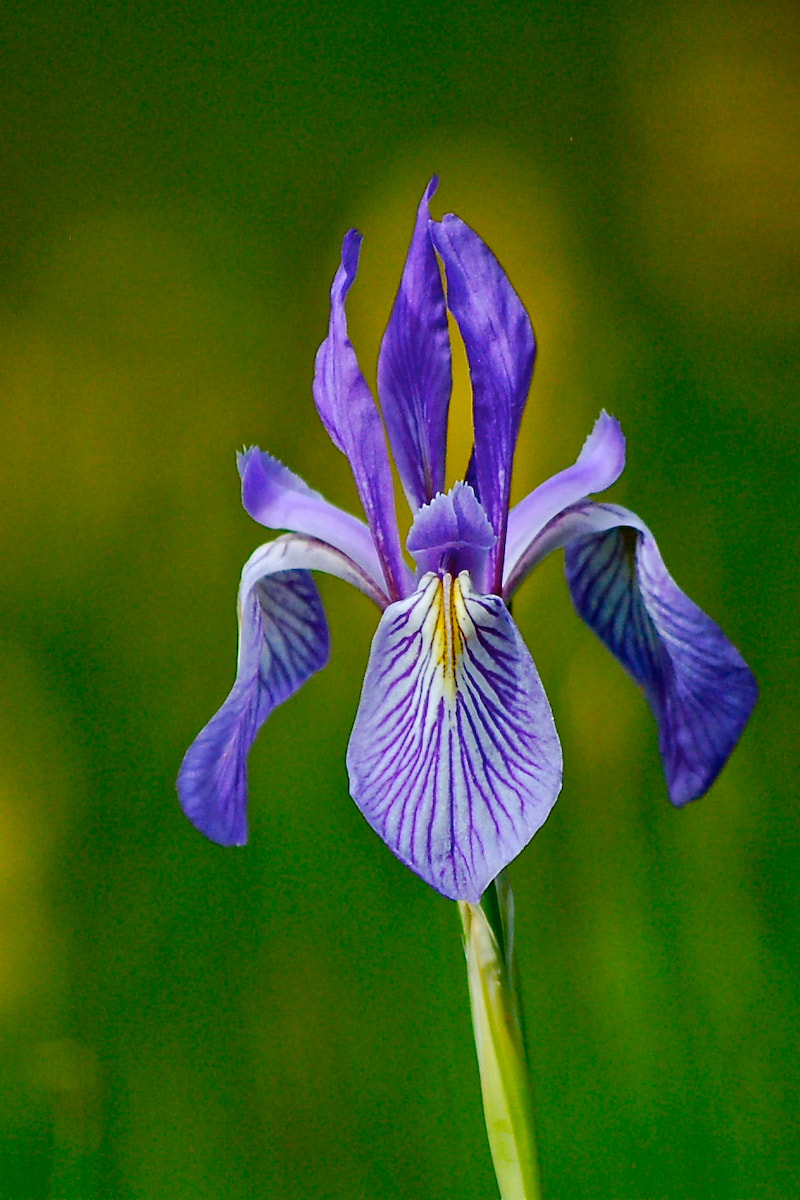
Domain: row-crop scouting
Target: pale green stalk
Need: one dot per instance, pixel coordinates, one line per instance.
(488, 930)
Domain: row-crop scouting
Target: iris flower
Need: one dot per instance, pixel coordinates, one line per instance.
(454, 758)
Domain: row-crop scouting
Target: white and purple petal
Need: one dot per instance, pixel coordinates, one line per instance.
(501, 349)
(283, 640)
(454, 758)
(414, 371)
(349, 414)
(698, 685)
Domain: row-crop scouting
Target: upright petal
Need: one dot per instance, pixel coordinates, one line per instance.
(349, 414)
(599, 464)
(283, 640)
(454, 758)
(414, 373)
(698, 685)
(500, 350)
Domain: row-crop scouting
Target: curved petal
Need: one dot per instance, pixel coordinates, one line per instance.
(454, 758)
(349, 414)
(276, 497)
(599, 464)
(501, 350)
(414, 374)
(698, 685)
(283, 640)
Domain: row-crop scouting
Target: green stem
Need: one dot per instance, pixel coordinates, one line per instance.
(488, 930)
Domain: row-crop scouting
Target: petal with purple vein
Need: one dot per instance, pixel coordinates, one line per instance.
(283, 640)
(698, 685)
(454, 758)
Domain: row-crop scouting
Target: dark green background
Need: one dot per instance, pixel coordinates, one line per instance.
(290, 1019)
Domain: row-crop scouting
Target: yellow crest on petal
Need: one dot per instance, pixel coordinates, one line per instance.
(446, 628)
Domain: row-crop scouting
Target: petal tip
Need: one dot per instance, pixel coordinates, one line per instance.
(351, 252)
(254, 472)
(690, 776)
(219, 816)
(606, 442)
(245, 458)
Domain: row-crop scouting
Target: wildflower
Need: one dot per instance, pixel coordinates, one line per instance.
(454, 757)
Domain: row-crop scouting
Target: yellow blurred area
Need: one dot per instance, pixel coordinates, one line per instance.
(126, 371)
(717, 124)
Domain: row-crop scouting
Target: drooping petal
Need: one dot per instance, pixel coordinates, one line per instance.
(599, 464)
(501, 350)
(349, 414)
(283, 640)
(698, 685)
(276, 497)
(414, 373)
(452, 534)
(454, 758)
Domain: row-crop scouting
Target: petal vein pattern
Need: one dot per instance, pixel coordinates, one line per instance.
(699, 687)
(454, 758)
(283, 640)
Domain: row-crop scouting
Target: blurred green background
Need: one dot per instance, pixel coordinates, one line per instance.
(290, 1019)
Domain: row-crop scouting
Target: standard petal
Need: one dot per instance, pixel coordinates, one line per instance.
(599, 464)
(698, 685)
(276, 497)
(349, 414)
(414, 372)
(283, 640)
(501, 350)
(454, 758)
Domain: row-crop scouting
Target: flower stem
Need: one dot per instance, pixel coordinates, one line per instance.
(488, 931)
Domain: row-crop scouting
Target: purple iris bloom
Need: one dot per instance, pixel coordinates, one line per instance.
(454, 758)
